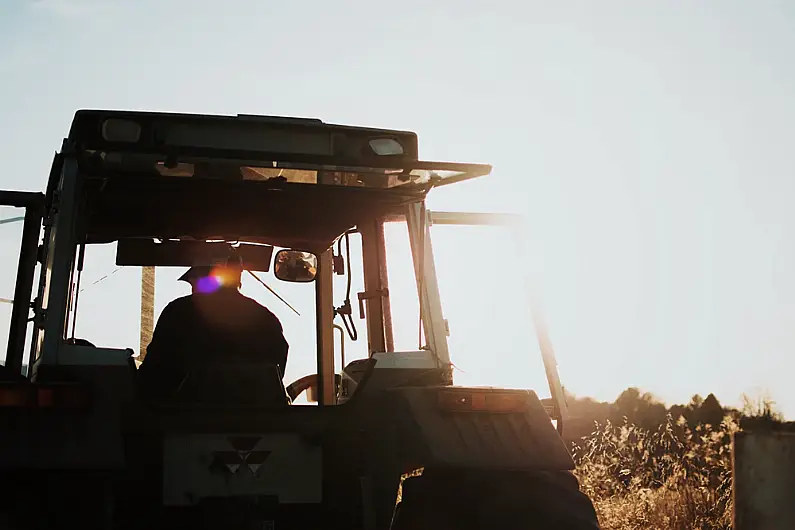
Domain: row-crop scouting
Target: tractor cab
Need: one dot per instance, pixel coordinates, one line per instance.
(294, 200)
(177, 191)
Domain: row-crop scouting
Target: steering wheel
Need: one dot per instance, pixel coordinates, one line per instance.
(299, 386)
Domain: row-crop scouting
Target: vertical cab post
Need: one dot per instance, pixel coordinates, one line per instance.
(386, 303)
(324, 307)
(374, 293)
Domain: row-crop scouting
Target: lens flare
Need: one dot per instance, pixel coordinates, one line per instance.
(208, 284)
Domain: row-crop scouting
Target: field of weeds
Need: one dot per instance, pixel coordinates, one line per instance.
(661, 468)
(672, 478)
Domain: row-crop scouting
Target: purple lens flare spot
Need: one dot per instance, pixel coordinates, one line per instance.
(208, 284)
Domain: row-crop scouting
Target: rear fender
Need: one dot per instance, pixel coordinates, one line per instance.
(78, 439)
(478, 428)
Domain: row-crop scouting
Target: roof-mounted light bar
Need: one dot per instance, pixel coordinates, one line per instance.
(251, 147)
(266, 138)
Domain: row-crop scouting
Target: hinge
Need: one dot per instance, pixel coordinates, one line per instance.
(447, 327)
(39, 317)
(54, 205)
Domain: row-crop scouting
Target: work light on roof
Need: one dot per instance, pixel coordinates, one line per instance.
(117, 130)
(386, 146)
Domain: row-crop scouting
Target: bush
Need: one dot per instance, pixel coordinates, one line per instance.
(672, 478)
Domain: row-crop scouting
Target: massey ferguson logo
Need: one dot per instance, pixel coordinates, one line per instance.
(243, 454)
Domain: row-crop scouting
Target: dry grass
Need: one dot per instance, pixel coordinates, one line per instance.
(675, 478)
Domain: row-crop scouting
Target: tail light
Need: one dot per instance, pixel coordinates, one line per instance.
(50, 396)
(486, 401)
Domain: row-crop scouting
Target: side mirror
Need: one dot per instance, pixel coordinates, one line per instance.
(295, 266)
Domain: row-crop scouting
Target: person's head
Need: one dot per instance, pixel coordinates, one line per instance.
(207, 279)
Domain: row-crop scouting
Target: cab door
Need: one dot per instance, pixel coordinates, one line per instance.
(21, 215)
(492, 261)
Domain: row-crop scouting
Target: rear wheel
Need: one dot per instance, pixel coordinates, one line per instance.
(481, 500)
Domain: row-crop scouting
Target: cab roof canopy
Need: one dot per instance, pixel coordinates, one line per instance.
(291, 182)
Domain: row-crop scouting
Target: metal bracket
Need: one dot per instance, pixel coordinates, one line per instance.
(339, 265)
(369, 295)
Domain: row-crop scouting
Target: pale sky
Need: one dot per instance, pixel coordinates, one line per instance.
(647, 144)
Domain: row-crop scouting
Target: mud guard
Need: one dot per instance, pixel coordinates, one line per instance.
(517, 436)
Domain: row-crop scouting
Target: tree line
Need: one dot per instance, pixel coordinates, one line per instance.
(643, 410)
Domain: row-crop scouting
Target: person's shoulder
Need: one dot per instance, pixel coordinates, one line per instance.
(182, 300)
(254, 304)
(179, 303)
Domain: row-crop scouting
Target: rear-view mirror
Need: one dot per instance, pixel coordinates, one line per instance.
(295, 266)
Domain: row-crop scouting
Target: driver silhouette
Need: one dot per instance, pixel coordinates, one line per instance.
(215, 323)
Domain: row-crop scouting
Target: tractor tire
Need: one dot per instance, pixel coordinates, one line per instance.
(485, 500)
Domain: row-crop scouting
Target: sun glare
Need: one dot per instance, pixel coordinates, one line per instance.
(209, 284)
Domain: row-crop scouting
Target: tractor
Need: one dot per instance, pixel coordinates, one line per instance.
(387, 441)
